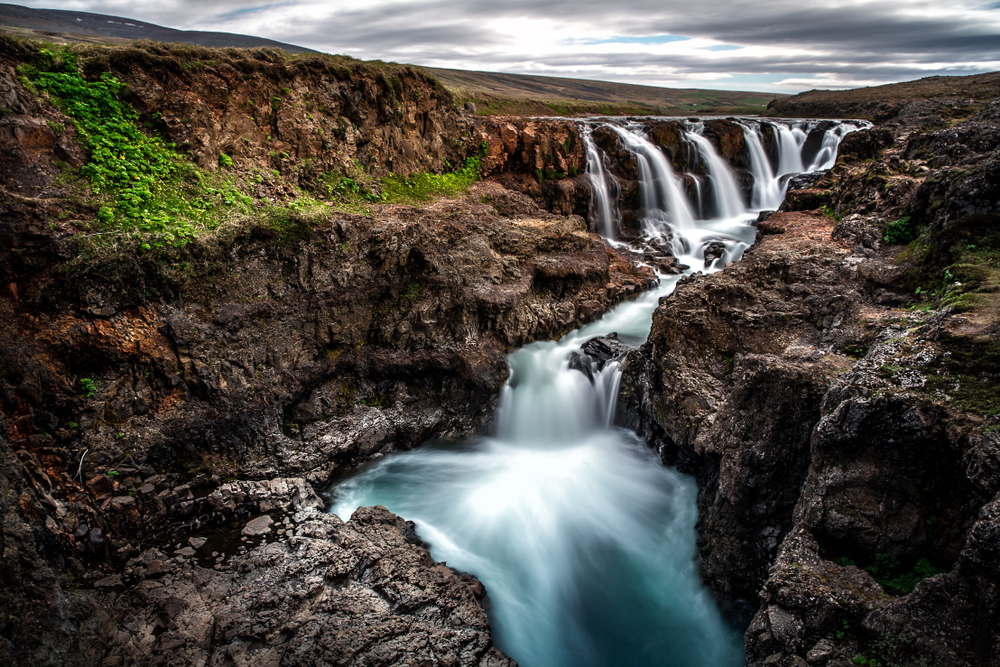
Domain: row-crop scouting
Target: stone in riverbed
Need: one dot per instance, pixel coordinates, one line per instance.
(596, 353)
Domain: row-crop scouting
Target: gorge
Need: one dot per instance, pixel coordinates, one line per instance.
(165, 510)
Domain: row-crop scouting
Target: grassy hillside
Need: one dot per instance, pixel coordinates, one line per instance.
(492, 93)
(969, 93)
(497, 93)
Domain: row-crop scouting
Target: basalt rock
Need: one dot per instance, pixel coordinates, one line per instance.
(595, 354)
(845, 455)
(865, 144)
(315, 590)
(886, 559)
(722, 385)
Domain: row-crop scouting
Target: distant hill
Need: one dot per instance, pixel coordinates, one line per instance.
(58, 25)
(496, 92)
(492, 92)
(878, 102)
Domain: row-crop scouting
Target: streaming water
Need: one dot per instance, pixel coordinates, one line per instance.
(586, 544)
(606, 222)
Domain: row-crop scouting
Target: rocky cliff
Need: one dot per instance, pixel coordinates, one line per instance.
(835, 394)
(171, 399)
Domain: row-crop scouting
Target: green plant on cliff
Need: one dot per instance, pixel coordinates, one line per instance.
(899, 231)
(88, 387)
(898, 579)
(148, 189)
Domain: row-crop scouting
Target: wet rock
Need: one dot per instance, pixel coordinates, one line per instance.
(762, 216)
(603, 349)
(809, 179)
(595, 354)
(714, 251)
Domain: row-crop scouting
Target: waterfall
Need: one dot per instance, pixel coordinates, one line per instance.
(728, 200)
(663, 201)
(606, 222)
(769, 185)
(789, 149)
(586, 544)
(827, 155)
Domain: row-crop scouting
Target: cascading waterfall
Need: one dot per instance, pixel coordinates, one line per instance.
(770, 181)
(663, 201)
(728, 200)
(827, 155)
(606, 221)
(789, 141)
(768, 190)
(586, 544)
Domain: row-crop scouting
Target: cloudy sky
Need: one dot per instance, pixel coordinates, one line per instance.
(773, 45)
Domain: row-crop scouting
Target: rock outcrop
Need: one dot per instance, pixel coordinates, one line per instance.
(845, 443)
(314, 590)
(150, 396)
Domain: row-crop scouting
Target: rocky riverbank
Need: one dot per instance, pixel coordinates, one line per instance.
(835, 394)
(169, 408)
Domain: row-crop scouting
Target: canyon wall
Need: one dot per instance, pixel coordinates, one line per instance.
(170, 409)
(168, 414)
(835, 395)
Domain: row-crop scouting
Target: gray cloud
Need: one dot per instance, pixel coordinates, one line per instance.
(842, 40)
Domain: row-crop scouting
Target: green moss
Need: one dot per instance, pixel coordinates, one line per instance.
(831, 212)
(968, 373)
(899, 231)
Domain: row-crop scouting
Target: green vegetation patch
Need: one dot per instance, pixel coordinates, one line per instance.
(894, 576)
(969, 373)
(958, 266)
(149, 189)
(899, 231)
(425, 186)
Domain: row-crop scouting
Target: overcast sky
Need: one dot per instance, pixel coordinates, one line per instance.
(773, 45)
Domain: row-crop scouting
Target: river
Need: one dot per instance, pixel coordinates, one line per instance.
(585, 542)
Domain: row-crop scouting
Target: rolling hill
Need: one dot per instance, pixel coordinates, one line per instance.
(493, 93)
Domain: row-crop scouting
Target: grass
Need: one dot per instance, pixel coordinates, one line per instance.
(425, 186)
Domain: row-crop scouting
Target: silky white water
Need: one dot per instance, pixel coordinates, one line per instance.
(586, 544)
(601, 196)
